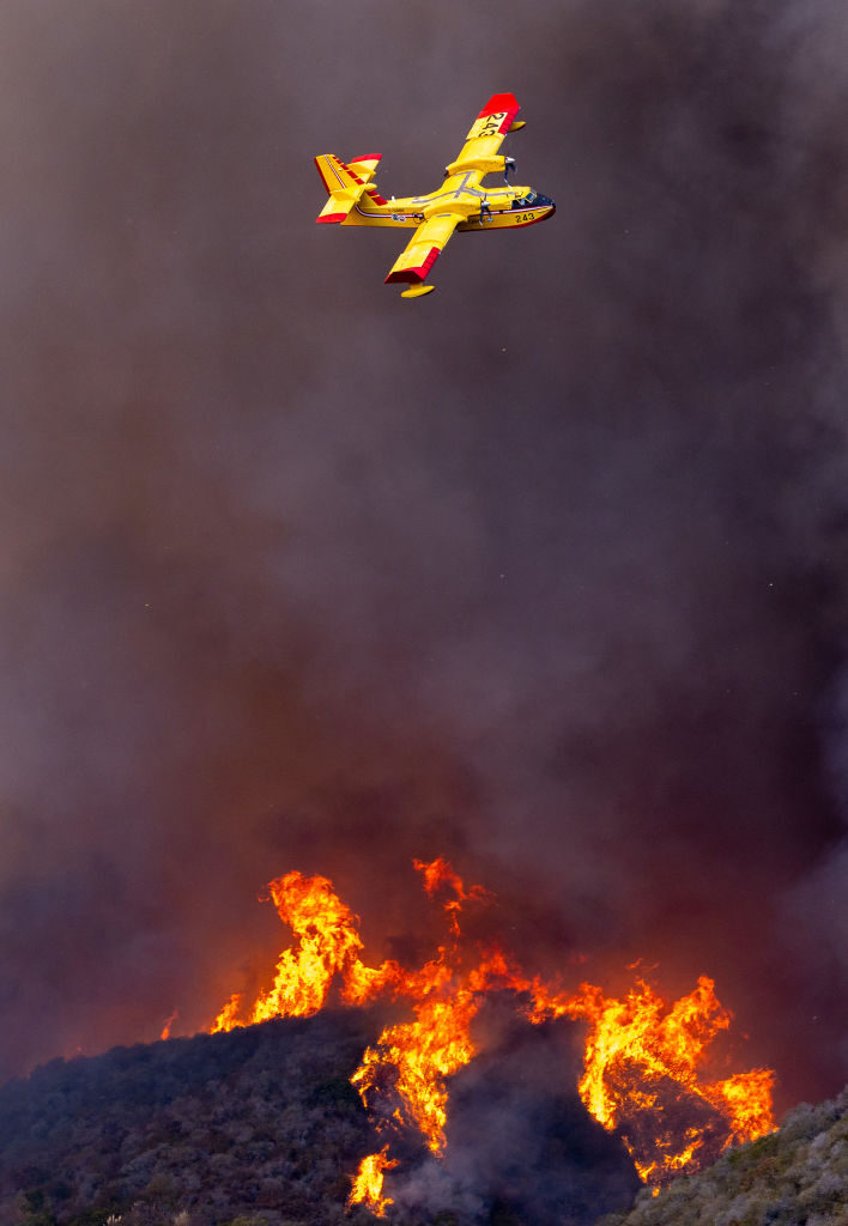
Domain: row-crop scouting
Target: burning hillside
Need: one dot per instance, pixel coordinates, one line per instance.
(799, 1174)
(556, 572)
(645, 1060)
(262, 1124)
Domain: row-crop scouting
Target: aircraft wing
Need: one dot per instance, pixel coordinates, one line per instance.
(423, 249)
(489, 128)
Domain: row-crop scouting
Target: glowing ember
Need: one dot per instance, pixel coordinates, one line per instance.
(643, 1057)
(367, 1186)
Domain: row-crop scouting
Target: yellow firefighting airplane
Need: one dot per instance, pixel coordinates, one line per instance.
(461, 203)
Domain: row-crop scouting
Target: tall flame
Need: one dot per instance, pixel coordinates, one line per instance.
(367, 1183)
(643, 1056)
(328, 944)
(424, 1052)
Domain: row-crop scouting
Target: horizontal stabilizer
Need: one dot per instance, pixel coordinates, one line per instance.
(336, 175)
(365, 166)
(335, 211)
(346, 184)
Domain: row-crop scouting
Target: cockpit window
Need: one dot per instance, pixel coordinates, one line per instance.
(523, 201)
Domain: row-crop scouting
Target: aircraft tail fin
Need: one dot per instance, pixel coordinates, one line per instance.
(346, 183)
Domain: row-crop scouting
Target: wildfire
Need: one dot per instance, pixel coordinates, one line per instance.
(367, 1186)
(643, 1057)
(423, 1053)
(328, 944)
(165, 1032)
(438, 875)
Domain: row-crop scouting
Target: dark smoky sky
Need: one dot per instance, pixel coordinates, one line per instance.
(546, 572)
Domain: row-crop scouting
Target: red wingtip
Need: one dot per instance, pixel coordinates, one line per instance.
(414, 275)
(330, 218)
(498, 103)
(368, 157)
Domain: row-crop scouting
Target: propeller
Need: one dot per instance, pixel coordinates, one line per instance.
(509, 167)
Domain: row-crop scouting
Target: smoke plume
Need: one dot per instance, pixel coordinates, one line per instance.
(545, 574)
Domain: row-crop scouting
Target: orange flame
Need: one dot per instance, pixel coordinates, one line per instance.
(165, 1032)
(439, 875)
(423, 1053)
(328, 945)
(640, 1052)
(367, 1183)
(642, 1061)
(747, 1100)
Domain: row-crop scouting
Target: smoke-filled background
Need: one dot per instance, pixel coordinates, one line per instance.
(546, 573)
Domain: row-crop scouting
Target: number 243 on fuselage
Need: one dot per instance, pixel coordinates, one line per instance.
(460, 203)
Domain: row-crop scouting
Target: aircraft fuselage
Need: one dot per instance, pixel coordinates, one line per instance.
(484, 208)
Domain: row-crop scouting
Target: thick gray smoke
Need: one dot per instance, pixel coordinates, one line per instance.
(521, 1145)
(545, 573)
